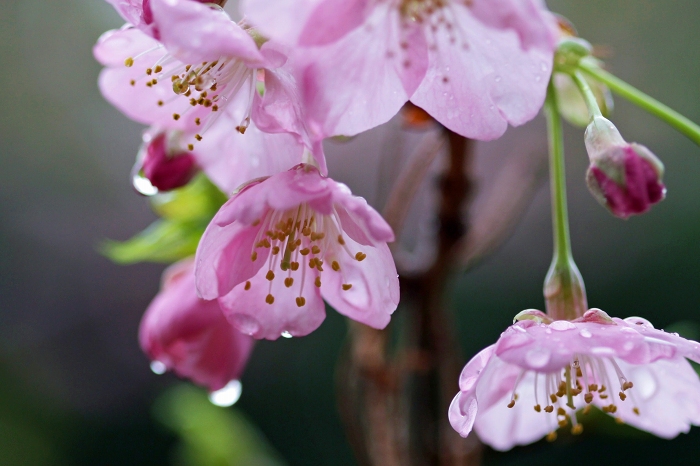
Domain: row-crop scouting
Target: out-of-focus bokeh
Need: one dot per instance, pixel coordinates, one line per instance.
(74, 386)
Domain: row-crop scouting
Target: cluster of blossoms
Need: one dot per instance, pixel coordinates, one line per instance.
(249, 104)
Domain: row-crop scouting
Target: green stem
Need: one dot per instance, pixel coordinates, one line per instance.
(648, 103)
(588, 96)
(564, 291)
(560, 216)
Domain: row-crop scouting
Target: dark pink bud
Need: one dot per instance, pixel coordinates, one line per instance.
(624, 177)
(167, 168)
(191, 336)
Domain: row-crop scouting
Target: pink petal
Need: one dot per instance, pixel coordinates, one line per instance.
(223, 257)
(530, 19)
(194, 33)
(331, 20)
(360, 220)
(362, 80)
(374, 295)
(480, 79)
(248, 311)
(281, 19)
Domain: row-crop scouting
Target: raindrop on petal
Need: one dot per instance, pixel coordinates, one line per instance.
(538, 357)
(228, 395)
(585, 333)
(286, 334)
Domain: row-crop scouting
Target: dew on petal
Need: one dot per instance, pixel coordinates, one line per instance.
(158, 367)
(286, 334)
(143, 185)
(640, 321)
(561, 325)
(585, 333)
(245, 323)
(538, 357)
(228, 395)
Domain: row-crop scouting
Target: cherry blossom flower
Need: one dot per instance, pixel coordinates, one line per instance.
(187, 81)
(164, 163)
(541, 372)
(190, 336)
(624, 177)
(475, 66)
(281, 244)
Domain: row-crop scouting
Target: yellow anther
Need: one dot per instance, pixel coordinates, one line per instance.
(622, 396)
(588, 397)
(578, 372)
(159, 69)
(619, 420)
(305, 251)
(176, 116)
(270, 275)
(198, 137)
(154, 81)
(360, 256)
(553, 398)
(276, 250)
(197, 121)
(247, 285)
(190, 146)
(269, 299)
(593, 387)
(315, 249)
(347, 286)
(602, 388)
(563, 423)
(577, 429)
(317, 282)
(341, 241)
(149, 71)
(129, 62)
(511, 404)
(241, 129)
(132, 82)
(295, 266)
(301, 301)
(306, 231)
(552, 436)
(538, 408)
(627, 385)
(215, 108)
(561, 412)
(288, 282)
(635, 410)
(548, 409)
(335, 266)
(603, 397)
(160, 103)
(254, 256)
(266, 242)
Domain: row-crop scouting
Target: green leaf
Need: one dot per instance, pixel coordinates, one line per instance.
(163, 241)
(199, 200)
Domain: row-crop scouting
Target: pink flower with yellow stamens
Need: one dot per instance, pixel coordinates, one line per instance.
(541, 373)
(281, 244)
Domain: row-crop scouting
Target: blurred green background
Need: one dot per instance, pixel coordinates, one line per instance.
(74, 386)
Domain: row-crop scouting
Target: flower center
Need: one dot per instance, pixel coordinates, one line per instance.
(582, 381)
(301, 242)
(198, 91)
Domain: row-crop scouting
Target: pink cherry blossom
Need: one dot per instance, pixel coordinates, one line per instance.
(188, 80)
(280, 245)
(624, 177)
(191, 336)
(166, 166)
(539, 373)
(475, 66)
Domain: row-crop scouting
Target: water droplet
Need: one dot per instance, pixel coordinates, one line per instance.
(538, 78)
(286, 334)
(639, 321)
(585, 333)
(245, 323)
(538, 357)
(228, 395)
(675, 334)
(602, 351)
(645, 384)
(142, 184)
(158, 367)
(628, 346)
(561, 325)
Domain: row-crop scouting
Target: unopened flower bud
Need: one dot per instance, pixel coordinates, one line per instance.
(167, 167)
(624, 177)
(570, 51)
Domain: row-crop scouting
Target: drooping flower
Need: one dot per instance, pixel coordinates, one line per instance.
(164, 163)
(202, 67)
(191, 336)
(281, 244)
(474, 66)
(624, 177)
(541, 373)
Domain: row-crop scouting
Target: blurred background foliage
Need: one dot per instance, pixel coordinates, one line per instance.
(76, 390)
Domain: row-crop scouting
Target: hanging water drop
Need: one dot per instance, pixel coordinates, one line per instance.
(286, 334)
(158, 367)
(227, 396)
